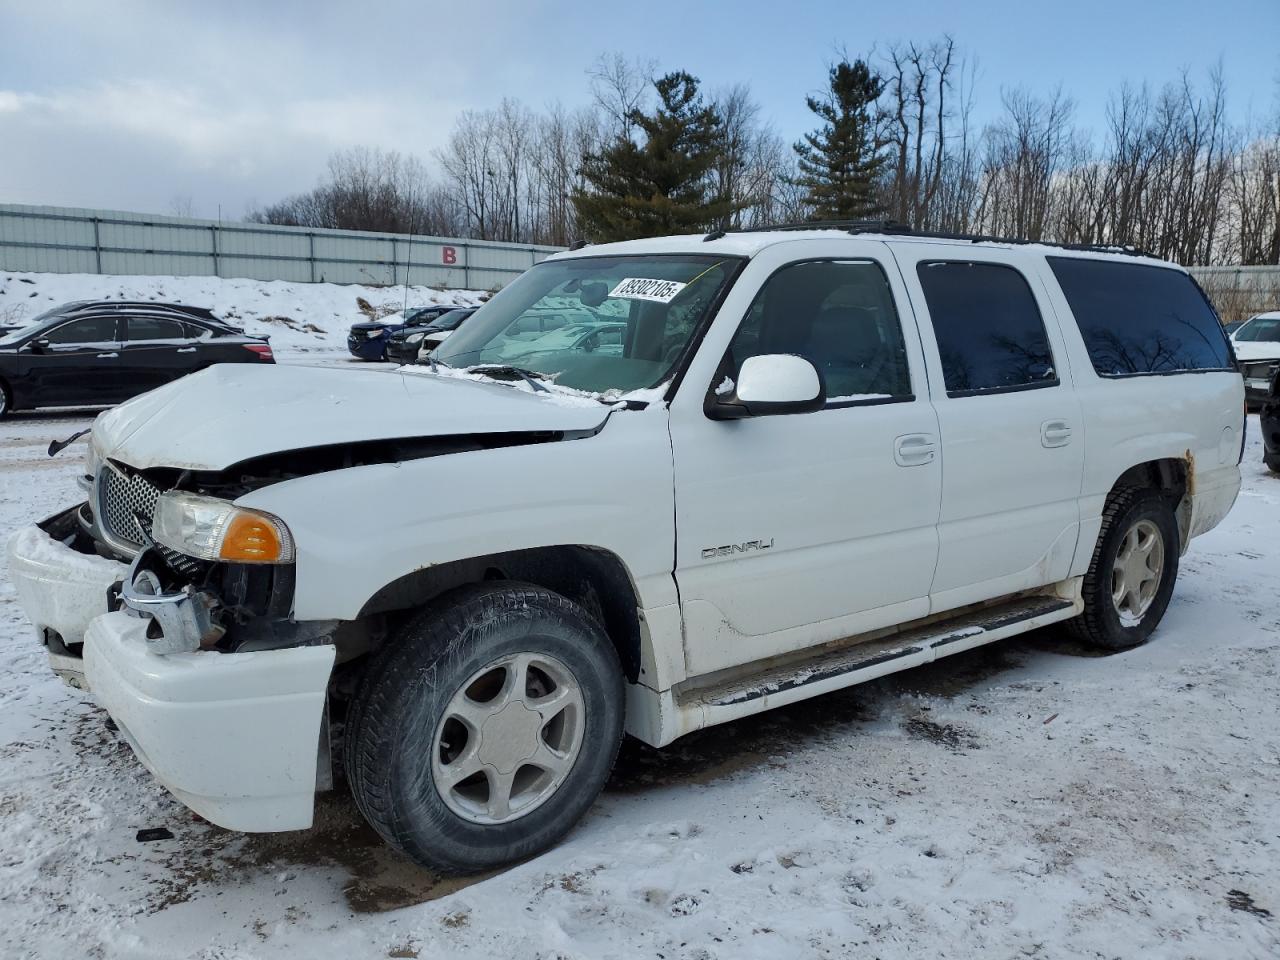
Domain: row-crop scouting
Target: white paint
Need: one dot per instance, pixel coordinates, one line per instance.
(232, 412)
(60, 589)
(233, 736)
(848, 519)
(777, 378)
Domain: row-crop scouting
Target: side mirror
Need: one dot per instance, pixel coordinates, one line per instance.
(770, 385)
(39, 346)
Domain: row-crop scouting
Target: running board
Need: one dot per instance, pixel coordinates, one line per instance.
(861, 662)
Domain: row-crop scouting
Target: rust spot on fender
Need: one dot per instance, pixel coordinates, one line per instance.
(1190, 458)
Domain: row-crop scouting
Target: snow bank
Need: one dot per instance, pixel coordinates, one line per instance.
(299, 317)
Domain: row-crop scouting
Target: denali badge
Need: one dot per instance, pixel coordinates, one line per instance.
(710, 553)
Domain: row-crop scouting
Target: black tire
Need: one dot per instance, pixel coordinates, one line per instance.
(404, 696)
(1272, 462)
(6, 400)
(1100, 624)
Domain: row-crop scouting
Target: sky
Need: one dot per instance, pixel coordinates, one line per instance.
(159, 106)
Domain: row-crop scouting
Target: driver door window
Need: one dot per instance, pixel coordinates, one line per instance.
(840, 316)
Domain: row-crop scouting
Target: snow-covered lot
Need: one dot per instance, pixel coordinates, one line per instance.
(304, 320)
(1026, 800)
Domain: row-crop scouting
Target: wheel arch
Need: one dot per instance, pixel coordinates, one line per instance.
(593, 577)
(1172, 476)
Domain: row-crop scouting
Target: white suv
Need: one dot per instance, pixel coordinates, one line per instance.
(818, 457)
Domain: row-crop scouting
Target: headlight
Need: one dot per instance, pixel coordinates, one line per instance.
(91, 460)
(377, 333)
(414, 338)
(213, 529)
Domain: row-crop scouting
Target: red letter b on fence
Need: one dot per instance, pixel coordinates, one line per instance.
(448, 256)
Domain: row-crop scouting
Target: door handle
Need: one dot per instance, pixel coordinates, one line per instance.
(1055, 433)
(104, 356)
(186, 349)
(914, 449)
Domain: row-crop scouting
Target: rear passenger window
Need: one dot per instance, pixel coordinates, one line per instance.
(990, 334)
(154, 328)
(840, 316)
(1138, 319)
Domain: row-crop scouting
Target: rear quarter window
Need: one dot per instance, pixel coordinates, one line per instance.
(1138, 319)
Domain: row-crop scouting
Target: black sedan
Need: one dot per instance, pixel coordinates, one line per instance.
(102, 353)
(403, 345)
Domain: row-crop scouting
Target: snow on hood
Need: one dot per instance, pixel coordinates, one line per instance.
(234, 412)
(1256, 349)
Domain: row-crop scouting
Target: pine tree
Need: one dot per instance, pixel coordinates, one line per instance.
(841, 161)
(660, 185)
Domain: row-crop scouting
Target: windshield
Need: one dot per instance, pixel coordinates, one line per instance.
(1260, 329)
(632, 318)
(451, 320)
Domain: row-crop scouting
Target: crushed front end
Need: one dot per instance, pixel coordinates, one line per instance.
(221, 694)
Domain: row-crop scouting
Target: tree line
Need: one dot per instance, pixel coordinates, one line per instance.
(893, 138)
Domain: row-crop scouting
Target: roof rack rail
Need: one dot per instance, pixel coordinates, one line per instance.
(895, 228)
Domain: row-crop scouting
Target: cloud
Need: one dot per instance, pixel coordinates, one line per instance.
(114, 142)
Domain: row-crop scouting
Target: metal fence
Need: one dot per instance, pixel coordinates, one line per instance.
(1240, 292)
(74, 240)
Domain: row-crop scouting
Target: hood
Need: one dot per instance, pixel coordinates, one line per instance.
(378, 325)
(234, 412)
(1256, 349)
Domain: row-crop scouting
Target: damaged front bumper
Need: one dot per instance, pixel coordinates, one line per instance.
(240, 737)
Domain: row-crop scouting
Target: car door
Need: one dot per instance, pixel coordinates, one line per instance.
(74, 362)
(1010, 420)
(157, 350)
(800, 529)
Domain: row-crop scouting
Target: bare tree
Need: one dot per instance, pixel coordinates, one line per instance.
(620, 87)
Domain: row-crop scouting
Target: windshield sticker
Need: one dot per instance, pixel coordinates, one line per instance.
(638, 288)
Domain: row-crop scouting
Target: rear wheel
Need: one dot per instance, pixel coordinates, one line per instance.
(487, 728)
(1272, 461)
(5, 399)
(1131, 576)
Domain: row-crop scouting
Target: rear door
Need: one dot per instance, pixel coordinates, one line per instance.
(157, 350)
(1008, 415)
(75, 362)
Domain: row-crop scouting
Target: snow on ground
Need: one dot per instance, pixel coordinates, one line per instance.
(1024, 800)
(301, 318)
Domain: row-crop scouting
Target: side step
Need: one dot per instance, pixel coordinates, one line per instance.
(860, 662)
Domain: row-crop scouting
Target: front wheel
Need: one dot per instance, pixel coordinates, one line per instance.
(1131, 576)
(487, 728)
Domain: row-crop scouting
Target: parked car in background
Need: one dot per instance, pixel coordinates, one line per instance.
(1257, 347)
(406, 344)
(103, 353)
(1269, 420)
(442, 331)
(368, 340)
(822, 456)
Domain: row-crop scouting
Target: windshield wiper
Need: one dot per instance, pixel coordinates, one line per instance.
(527, 376)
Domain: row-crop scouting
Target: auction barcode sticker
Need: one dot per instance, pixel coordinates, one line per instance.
(638, 288)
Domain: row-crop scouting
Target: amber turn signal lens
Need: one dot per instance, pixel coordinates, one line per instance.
(251, 539)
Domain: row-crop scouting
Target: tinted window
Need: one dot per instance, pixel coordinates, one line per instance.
(154, 328)
(838, 315)
(88, 330)
(1140, 319)
(1260, 329)
(990, 333)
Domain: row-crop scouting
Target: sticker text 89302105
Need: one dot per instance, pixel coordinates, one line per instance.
(639, 288)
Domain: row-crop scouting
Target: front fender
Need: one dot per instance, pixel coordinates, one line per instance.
(359, 529)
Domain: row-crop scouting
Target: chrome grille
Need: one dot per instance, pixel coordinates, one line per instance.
(120, 498)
